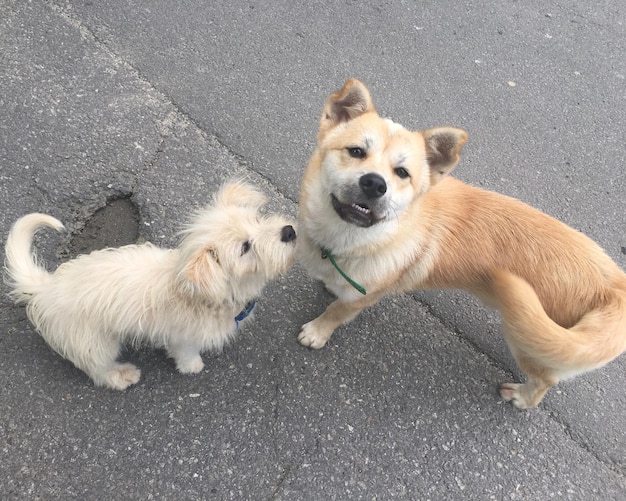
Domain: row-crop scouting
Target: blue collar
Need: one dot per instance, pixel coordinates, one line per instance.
(245, 313)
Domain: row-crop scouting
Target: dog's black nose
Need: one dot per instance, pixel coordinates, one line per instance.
(373, 185)
(287, 234)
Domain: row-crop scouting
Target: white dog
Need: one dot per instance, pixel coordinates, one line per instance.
(186, 300)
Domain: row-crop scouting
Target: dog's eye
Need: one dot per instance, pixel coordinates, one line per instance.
(401, 172)
(245, 247)
(356, 152)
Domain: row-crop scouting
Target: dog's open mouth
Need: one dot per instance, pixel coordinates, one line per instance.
(359, 215)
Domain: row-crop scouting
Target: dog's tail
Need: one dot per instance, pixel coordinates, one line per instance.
(22, 271)
(596, 339)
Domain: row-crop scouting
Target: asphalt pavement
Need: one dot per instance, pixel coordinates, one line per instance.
(121, 118)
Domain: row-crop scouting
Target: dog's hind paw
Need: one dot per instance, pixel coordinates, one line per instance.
(311, 337)
(516, 394)
(509, 391)
(121, 376)
(524, 396)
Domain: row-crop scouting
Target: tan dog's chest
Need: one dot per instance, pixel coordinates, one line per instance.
(400, 271)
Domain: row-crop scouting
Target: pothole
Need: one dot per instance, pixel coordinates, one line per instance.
(114, 225)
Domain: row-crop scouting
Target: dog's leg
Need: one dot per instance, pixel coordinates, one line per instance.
(317, 332)
(529, 394)
(96, 356)
(115, 376)
(120, 376)
(545, 351)
(524, 395)
(187, 358)
(523, 319)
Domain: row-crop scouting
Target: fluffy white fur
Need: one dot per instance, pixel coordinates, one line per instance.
(184, 300)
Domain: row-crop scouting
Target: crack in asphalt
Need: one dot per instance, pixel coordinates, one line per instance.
(179, 115)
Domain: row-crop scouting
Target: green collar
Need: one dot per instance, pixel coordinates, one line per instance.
(326, 253)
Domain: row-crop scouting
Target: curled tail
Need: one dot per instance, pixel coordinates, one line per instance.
(597, 338)
(22, 271)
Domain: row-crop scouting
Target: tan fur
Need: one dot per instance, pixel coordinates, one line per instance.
(562, 298)
(184, 300)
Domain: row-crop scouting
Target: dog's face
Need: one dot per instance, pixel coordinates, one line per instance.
(231, 250)
(373, 168)
(369, 170)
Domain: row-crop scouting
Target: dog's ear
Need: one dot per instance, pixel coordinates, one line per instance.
(240, 194)
(443, 146)
(203, 275)
(351, 101)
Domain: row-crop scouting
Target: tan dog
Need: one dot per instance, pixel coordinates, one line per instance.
(186, 300)
(377, 199)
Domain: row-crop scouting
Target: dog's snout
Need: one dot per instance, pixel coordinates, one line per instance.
(373, 185)
(287, 234)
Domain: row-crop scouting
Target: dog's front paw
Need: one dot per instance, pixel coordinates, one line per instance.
(312, 337)
(190, 365)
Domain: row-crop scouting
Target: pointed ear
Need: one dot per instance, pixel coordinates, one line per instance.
(240, 194)
(351, 101)
(443, 146)
(203, 275)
